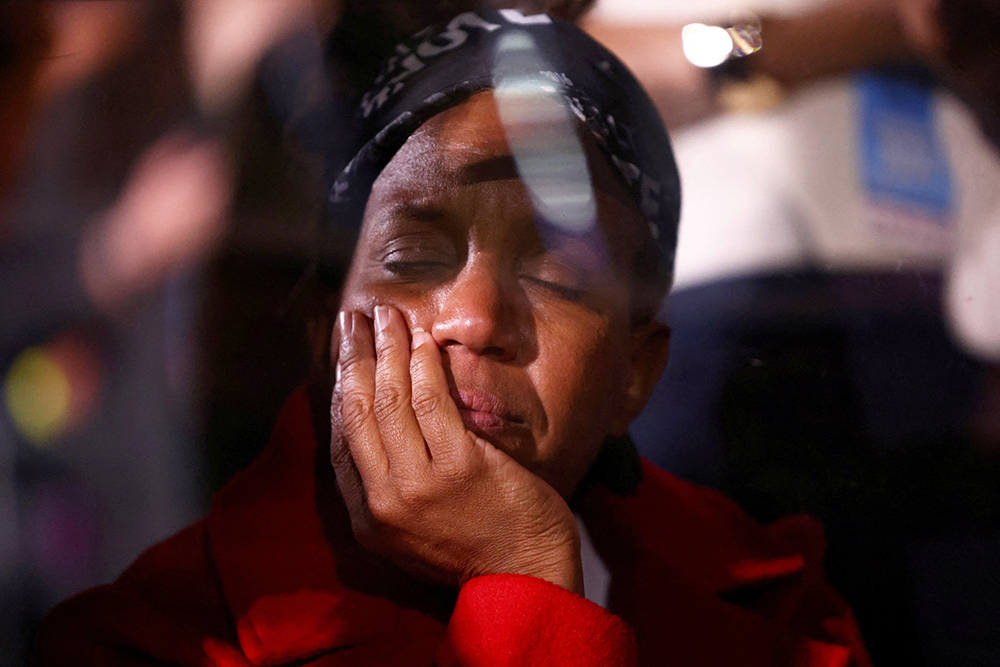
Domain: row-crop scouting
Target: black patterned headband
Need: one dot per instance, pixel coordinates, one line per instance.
(519, 56)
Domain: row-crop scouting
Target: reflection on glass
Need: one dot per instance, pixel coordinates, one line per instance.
(546, 149)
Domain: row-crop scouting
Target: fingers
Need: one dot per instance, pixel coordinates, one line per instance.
(436, 413)
(352, 490)
(403, 441)
(357, 398)
(395, 410)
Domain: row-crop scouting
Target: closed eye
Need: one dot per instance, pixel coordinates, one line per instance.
(557, 275)
(414, 269)
(416, 257)
(562, 291)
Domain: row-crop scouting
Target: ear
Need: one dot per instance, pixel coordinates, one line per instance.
(650, 348)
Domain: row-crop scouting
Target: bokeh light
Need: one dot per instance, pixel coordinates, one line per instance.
(37, 393)
(746, 38)
(53, 389)
(706, 45)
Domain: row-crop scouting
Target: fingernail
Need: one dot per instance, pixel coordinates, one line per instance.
(381, 318)
(419, 337)
(346, 330)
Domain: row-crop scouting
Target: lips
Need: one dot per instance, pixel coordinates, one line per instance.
(483, 412)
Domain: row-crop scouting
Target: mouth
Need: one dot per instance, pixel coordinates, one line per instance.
(484, 413)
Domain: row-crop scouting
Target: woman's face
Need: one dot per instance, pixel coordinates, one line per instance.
(535, 335)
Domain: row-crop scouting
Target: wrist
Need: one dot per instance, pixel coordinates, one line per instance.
(567, 573)
(558, 563)
(555, 559)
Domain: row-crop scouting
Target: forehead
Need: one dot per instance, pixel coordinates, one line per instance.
(468, 144)
(464, 144)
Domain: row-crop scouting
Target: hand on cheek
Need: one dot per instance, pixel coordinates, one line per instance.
(421, 489)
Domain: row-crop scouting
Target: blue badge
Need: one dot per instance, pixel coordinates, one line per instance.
(904, 166)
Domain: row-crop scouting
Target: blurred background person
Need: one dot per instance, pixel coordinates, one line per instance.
(835, 307)
(124, 185)
(92, 460)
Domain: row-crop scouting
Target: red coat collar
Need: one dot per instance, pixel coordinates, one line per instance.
(698, 535)
(279, 576)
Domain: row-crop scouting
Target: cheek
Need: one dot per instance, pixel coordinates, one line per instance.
(580, 377)
(418, 309)
(582, 364)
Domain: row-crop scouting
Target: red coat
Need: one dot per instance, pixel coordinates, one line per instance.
(262, 581)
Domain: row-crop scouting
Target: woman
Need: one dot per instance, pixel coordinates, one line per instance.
(516, 204)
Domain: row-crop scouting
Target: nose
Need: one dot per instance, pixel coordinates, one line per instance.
(480, 312)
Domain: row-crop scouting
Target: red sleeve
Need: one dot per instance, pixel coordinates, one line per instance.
(510, 619)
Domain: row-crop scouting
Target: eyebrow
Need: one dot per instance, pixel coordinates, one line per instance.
(504, 167)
